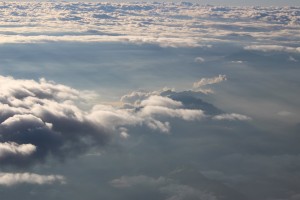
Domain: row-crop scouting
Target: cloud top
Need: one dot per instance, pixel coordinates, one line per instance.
(164, 24)
(43, 118)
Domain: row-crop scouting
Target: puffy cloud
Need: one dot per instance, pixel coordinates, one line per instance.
(136, 97)
(41, 118)
(161, 101)
(44, 114)
(232, 117)
(166, 24)
(10, 179)
(180, 113)
(8, 149)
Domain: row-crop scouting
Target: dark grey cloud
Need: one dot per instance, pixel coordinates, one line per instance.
(43, 116)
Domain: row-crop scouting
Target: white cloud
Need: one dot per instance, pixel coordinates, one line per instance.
(270, 48)
(199, 59)
(208, 81)
(167, 24)
(136, 97)
(185, 114)
(124, 132)
(10, 179)
(156, 100)
(200, 85)
(232, 117)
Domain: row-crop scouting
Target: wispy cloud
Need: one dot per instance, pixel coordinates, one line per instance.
(274, 48)
(200, 85)
(232, 117)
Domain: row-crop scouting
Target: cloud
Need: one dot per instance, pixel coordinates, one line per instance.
(199, 59)
(8, 149)
(156, 100)
(180, 113)
(292, 59)
(136, 97)
(180, 184)
(208, 81)
(44, 114)
(167, 24)
(131, 181)
(273, 48)
(170, 188)
(42, 118)
(10, 179)
(232, 117)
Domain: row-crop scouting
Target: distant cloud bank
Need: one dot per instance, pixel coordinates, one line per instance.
(164, 24)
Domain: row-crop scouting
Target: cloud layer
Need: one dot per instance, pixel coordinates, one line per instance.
(164, 24)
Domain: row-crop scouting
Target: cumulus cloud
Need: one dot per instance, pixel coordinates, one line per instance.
(42, 118)
(10, 149)
(10, 179)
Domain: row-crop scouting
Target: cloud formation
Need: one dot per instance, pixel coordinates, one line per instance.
(164, 24)
(10, 179)
(232, 117)
(10, 149)
(273, 48)
(171, 189)
(200, 85)
(42, 118)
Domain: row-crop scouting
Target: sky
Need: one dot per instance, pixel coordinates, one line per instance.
(164, 101)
